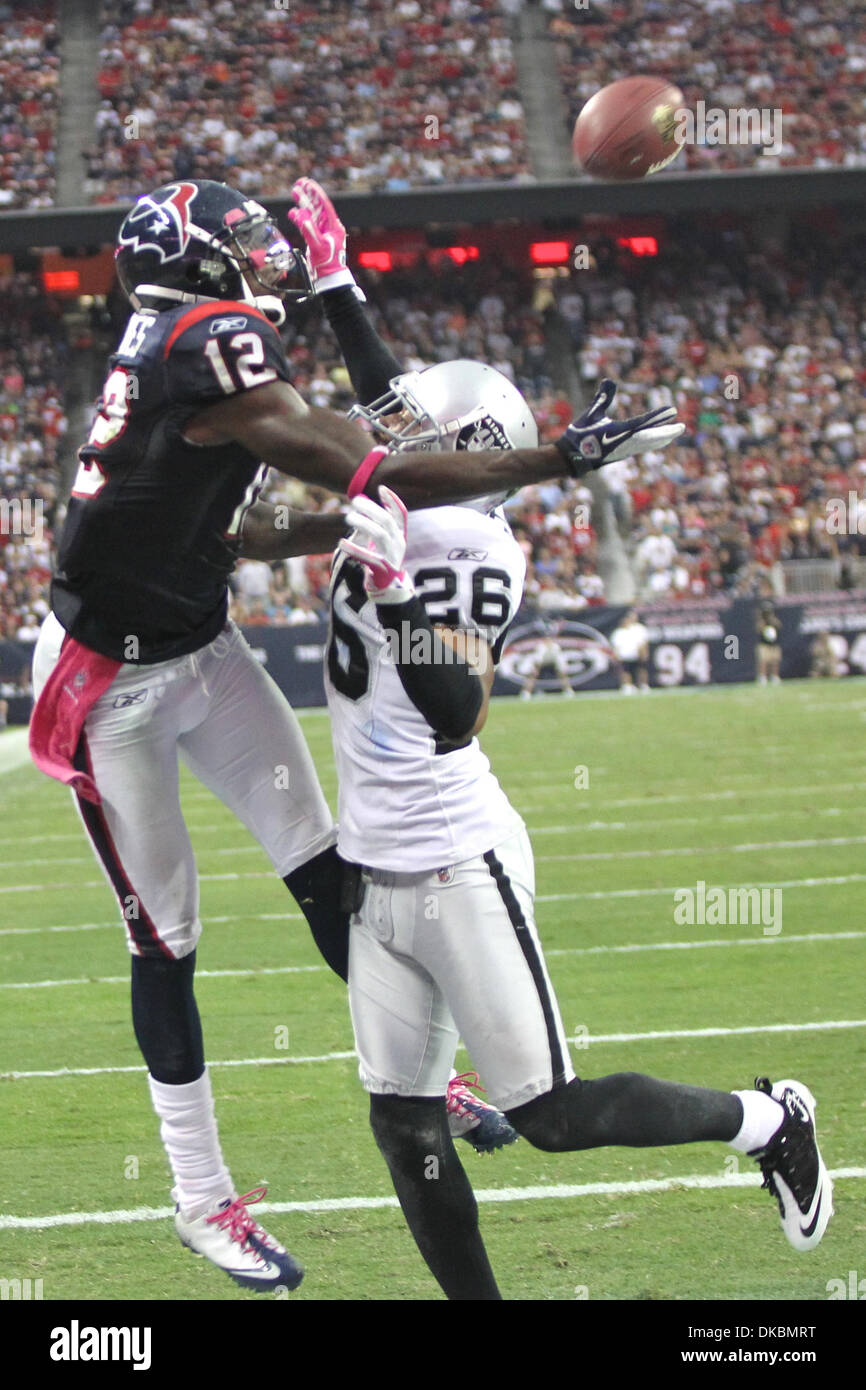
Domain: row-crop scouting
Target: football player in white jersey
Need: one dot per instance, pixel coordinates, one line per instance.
(443, 940)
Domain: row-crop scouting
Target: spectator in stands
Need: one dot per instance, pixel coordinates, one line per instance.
(364, 95)
(732, 55)
(29, 98)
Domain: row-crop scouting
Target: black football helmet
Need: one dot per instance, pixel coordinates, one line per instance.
(201, 239)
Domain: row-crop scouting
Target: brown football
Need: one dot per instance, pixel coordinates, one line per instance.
(629, 129)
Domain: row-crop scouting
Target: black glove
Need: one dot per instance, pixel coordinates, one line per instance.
(594, 439)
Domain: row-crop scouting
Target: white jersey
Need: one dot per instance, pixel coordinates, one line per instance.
(629, 640)
(405, 803)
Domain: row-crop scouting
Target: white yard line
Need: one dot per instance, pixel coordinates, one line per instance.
(650, 799)
(493, 1195)
(14, 749)
(252, 972)
(667, 852)
(834, 881)
(831, 881)
(114, 925)
(580, 1043)
(683, 851)
(199, 975)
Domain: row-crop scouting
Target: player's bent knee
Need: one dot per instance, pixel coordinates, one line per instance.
(406, 1125)
(546, 1121)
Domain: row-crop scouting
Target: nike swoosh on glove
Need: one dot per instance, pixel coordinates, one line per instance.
(324, 234)
(379, 542)
(594, 439)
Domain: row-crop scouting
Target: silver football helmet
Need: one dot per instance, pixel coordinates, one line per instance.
(453, 405)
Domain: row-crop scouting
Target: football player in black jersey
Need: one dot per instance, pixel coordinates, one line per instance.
(137, 665)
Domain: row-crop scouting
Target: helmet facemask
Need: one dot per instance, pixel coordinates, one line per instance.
(399, 419)
(264, 259)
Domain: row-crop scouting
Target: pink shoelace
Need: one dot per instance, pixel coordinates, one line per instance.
(453, 1101)
(236, 1220)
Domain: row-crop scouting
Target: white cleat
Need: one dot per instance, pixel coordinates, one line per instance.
(227, 1235)
(793, 1168)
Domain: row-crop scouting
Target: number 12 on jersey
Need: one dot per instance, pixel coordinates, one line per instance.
(244, 369)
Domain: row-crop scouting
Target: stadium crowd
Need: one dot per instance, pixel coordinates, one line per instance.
(803, 58)
(762, 352)
(764, 355)
(438, 314)
(362, 94)
(29, 97)
(370, 96)
(33, 351)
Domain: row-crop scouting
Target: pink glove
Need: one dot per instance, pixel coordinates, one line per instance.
(316, 219)
(379, 542)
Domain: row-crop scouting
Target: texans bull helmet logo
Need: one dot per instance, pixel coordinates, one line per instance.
(160, 223)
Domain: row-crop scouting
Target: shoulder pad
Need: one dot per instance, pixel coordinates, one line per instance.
(217, 349)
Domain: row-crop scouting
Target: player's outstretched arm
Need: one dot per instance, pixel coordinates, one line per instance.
(320, 447)
(277, 533)
(589, 442)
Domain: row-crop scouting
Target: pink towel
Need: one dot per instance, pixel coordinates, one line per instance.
(72, 689)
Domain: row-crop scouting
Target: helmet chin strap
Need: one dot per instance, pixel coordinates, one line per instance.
(163, 292)
(273, 308)
(267, 304)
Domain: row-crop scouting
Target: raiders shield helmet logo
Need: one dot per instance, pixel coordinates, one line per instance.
(485, 433)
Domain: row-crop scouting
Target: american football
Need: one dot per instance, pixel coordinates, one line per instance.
(629, 129)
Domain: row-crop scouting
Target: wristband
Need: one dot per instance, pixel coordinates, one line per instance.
(365, 470)
(336, 279)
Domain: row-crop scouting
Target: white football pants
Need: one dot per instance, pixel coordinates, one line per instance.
(451, 952)
(220, 712)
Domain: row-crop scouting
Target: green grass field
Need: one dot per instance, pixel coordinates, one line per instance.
(735, 786)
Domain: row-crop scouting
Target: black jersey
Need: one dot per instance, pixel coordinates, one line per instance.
(151, 534)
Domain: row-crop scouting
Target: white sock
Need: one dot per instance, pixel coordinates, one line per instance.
(761, 1118)
(189, 1133)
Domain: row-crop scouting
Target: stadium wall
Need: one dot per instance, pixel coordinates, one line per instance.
(705, 642)
(468, 204)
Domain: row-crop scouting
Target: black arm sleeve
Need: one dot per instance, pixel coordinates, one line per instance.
(370, 362)
(442, 685)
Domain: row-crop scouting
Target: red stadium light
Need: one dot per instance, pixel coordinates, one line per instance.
(639, 245)
(461, 254)
(550, 252)
(376, 260)
(60, 279)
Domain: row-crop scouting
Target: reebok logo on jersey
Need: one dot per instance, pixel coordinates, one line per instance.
(231, 323)
(460, 554)
(135, 697)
